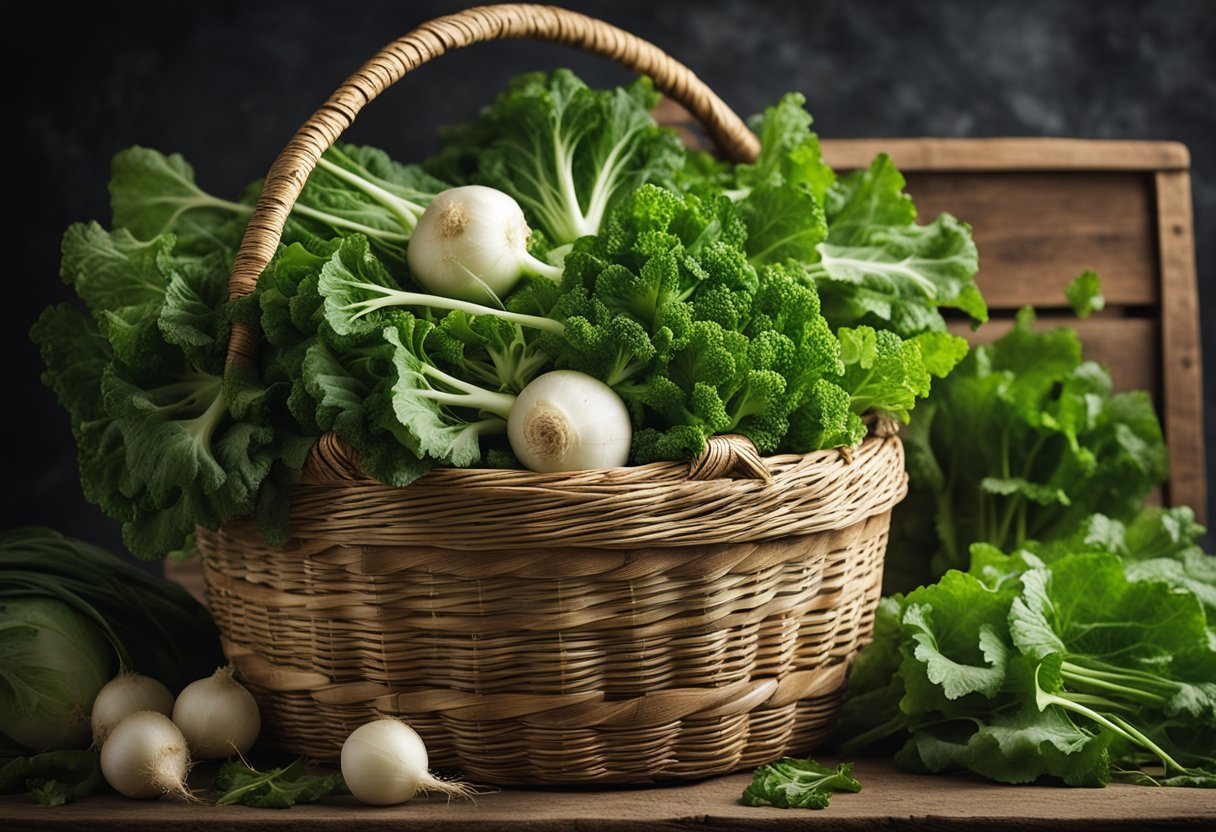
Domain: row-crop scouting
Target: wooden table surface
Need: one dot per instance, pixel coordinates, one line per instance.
(890, 800)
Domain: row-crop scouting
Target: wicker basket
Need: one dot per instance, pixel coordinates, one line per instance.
(625, 625)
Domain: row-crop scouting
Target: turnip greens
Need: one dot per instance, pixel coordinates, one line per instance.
(773, 300)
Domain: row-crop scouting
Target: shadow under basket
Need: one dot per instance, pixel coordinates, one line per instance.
(625, 625)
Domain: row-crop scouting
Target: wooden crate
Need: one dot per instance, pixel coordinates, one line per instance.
(1044, 210)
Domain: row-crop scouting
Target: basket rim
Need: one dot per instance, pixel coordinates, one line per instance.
(653, 506)
(333, 460)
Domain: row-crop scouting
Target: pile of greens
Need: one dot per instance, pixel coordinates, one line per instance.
(1023, 441)
(1089, 650)
(1063, 660)
(54, 777)
(770, 299)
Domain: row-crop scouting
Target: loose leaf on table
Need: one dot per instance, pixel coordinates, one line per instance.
(53, 778)
(1198, 778)
(792, 783)
(276, 788)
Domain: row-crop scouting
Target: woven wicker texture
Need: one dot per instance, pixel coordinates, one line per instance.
(625, 625)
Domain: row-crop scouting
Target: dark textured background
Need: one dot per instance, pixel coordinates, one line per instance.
(226, 83)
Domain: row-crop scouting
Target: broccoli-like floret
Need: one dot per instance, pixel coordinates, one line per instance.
(613, 348)
(722, 305)
(535, 295)
(700, 407)
(643, 293)
(717, 381)
(757, 409)
(650, 208)
(726, 265)
(678, 442)
(784, 301)
(823, 420)
(707, 353)
(709, 217)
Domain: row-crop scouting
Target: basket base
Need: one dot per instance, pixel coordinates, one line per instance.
(506, 755)
(755, 671)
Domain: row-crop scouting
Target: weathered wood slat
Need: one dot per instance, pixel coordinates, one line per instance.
(1010, 154)
(1182, 365)
(1037, 231)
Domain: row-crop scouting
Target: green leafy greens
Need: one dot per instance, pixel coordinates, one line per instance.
(791, 783)
(1024, 441)
(567, 153)
(142, 379)
(770, 299)
(856, 236)
(276, 788)
(1065, 667)
(53, 778)
(1084, 294)
(72, 615)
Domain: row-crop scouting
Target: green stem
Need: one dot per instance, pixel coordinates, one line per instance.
(1114, 687)
(350, 225)
(1013, 503)
(534, 265)
(470, 395)
(405, 210)
(1098, 668)
(1099, 701)
(228, 205)
(396, 297)
(1114, 723)
(1135, 733)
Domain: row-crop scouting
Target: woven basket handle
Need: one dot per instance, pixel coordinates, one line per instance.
(291, 169)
